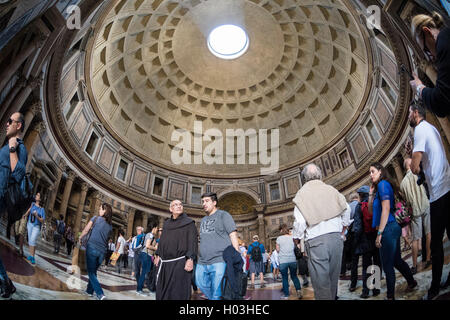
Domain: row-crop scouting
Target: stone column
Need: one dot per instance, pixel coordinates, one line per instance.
(96, 201)
(33, 140)
(161, 221)
(145, 221)
(130, 222)
(80, 209)
(12, 67)
(36, 183)
(246, 235)
(259, 208)
(398, 170)
(66, 194)
(32, 111)
(54, 193)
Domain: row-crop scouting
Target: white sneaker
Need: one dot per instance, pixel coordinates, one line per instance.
(141, 293)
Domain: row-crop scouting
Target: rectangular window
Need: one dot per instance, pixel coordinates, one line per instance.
(345, 159)
(90, 148)
(275, 191)
(158, 186)
(373, 132)
(196, 195)
(389, 91)
(73, 103)
(122, 170)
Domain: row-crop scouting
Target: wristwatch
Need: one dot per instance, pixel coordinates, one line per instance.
(12, 149)
(379, 233)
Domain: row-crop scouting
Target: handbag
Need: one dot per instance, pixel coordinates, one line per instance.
(114, 258)
(18, 198)
(84, 240)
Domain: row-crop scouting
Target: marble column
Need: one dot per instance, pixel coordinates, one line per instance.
(130, 222)
(80, 209)
(161, 221)
(33, 141)
(67, 190)
(36, 183)
(145, 221)
(17, 61)
(54, 193)
(96, 201)
(32, 111)
(261, 225)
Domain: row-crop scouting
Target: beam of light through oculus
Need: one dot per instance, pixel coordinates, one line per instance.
(228, 41)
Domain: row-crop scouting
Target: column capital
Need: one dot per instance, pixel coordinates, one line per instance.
(259, 208)
(36, 107)
(62, 163)
(34, 82)
(40, 127)
(71, 175)
(84, 187)
(96, 195)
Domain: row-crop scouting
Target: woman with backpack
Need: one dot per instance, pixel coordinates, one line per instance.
(381, 205)
(98, 231)
(36, 217)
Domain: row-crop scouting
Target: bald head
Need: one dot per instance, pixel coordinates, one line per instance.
(311, 172)
(407, 164)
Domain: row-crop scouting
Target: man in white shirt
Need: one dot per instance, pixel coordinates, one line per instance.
(120, 249)
(321, 224)
(429, 150)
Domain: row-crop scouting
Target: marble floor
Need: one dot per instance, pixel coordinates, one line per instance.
(50, 279)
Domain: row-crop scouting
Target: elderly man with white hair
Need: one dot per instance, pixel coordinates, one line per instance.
(321, 214)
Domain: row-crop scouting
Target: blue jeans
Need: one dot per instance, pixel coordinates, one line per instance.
(292, 267)
(209, 278)
(391, 258)
(94, 259)
(146, 261)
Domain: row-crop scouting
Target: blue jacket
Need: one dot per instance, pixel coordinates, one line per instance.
(6, 176)
(233, 267)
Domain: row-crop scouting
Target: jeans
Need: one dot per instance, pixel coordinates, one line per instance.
(391, 258)
(292, 267)
(57, 242)
(209, 278)
(94, 259)
(146, 262)
(440, 221)
(33, 233)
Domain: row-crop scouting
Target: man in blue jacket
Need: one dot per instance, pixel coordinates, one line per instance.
(256, 251)
(13, 159)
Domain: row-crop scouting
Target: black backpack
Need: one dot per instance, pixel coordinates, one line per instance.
(256, 253)
(60, 228)
(227, 290)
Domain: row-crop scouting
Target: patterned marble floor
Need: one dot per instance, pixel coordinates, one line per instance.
(49, 279)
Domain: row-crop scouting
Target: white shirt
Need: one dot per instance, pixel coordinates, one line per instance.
(132, 244)
(301, 229)
(274, 258)
(112, 246)
(122, 242)
(434, 161)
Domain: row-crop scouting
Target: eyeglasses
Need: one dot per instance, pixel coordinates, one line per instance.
(10, 121)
